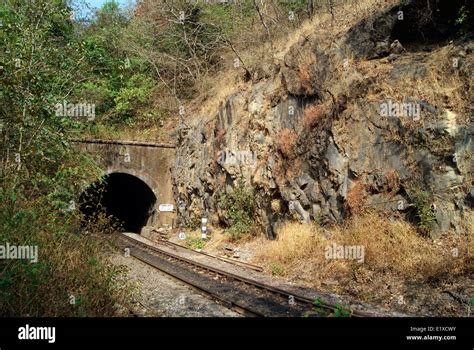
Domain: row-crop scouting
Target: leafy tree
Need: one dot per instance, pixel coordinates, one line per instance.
(41, 62)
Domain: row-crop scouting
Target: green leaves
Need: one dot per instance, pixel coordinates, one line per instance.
(195, 242)
(239, 206)
(133, 95)
(42, 63)
(118, 82)
(341, 311)
(424, 211)
(462, 21)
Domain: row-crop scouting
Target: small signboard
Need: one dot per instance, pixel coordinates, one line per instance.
(165, 207)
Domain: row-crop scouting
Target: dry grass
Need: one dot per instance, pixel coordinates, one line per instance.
(214, 242)
(286, 142)
(393, 181)
(400, 271)
(391, 247)
(261, 56)
(345, 16)
(313, 115)
(443, 86)
(215, 90)
(356, 198)
(306, 79)
(217, 240)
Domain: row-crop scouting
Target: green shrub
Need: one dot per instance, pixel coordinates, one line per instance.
(239, 204)
(341, 311)
(317, 303)
(424, 211)
(195, 242)
(133, 96)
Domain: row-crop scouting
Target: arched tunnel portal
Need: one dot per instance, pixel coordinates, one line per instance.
(125, 197)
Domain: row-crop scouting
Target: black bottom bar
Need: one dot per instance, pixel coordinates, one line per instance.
(432, 333)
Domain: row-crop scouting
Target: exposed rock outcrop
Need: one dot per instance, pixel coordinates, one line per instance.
(327, 140)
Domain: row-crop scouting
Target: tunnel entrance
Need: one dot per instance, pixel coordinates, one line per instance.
(125, 197)
(433, 22)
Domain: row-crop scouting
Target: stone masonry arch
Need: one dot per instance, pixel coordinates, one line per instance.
(149, 162)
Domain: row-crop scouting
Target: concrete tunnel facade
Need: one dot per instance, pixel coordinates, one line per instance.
(137, 187)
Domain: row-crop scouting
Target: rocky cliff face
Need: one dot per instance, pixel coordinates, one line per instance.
(340, 128)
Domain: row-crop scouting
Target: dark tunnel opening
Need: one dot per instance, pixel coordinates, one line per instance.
(124, 197)
(431, 22)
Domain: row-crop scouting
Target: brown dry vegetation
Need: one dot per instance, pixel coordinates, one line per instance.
(306, 78)
(263, 55)
(286, 142)
(398, 265)
(356, 198)
(420, 260)
(395, 256)
(393, 181)
(443, 86)
(313, 116)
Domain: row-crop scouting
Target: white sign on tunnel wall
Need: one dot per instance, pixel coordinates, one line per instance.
(165, 207)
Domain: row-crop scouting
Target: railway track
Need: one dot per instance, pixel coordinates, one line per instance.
(244, 295)
(221, 258)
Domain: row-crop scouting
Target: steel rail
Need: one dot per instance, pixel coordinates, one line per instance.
(236, 306)
(228, 260)
(245, 280)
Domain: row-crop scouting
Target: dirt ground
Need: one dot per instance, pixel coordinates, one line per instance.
(159, 295)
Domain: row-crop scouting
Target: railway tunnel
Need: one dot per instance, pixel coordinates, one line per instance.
(136, 188)
(124, 197)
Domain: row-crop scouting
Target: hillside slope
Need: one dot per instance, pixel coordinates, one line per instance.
(361, 130)
(368, 118)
